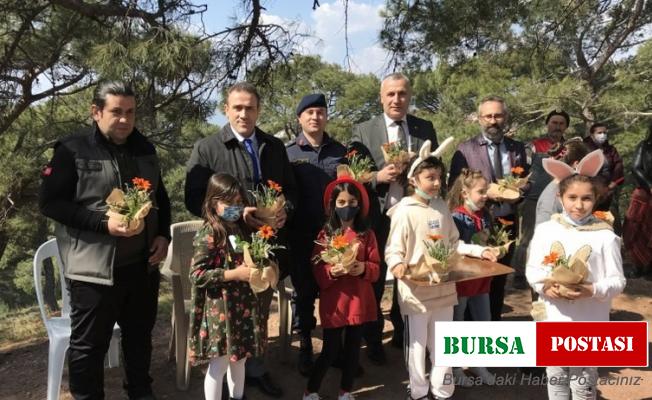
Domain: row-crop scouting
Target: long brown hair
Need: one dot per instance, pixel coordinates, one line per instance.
(465, 180)
(226, 188)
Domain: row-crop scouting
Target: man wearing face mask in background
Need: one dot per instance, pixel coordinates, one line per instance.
(314, 156)
(493, 154)
(612, 173)
(253, 157)
(550, 144)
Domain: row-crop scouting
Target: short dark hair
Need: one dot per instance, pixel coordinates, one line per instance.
(115, 88)
(243, 87)
(596, 126)
(559, 112)
(493, 98)
(431, 162)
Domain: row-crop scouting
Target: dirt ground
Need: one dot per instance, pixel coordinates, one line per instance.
(23, 367)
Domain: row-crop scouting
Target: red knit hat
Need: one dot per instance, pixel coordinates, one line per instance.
(344, 177)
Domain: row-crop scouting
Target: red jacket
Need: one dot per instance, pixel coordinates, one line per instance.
(348, 300)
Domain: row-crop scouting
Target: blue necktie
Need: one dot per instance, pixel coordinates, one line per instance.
(249, 146)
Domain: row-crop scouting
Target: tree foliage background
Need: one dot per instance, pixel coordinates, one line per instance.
(591, 58)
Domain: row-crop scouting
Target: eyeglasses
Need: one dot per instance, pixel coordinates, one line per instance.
(495, 117)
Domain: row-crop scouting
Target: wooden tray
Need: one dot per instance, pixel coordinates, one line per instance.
(470, 268)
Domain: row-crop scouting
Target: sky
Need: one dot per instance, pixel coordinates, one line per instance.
(325, 26)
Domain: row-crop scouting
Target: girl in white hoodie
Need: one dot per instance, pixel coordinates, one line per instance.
(413, 219)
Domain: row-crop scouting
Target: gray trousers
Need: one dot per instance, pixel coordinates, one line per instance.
(578, 383)
(527, 212)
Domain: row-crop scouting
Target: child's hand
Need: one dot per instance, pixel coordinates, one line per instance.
(240, 273)
(551, 290)
(490, 255)
(580, 291)
(399, 271)
(358, 268)
(337, 270)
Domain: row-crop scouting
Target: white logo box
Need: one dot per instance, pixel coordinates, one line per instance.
(511, 336)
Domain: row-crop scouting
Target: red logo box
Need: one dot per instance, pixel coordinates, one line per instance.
(592, 344)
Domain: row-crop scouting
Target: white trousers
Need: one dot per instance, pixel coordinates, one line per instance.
(419, 336)
(215, 374)
(581, 382)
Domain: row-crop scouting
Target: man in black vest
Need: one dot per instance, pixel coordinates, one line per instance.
(111, 270)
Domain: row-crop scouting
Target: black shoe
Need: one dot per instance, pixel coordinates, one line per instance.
(376, 354)
(266, 385)
(305, 361)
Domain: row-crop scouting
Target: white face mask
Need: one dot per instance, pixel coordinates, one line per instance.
(471, 205)
(583, 221)
(600, 138)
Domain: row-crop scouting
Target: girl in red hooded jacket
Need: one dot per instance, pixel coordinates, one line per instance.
(346, 299)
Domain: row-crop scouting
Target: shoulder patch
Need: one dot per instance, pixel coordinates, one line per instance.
(46, 170)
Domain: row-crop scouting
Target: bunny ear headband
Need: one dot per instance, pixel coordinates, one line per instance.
(425, 153)
(590, 165)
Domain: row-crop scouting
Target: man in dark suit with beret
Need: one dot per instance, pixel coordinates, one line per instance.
(493, 154)
(394, 125)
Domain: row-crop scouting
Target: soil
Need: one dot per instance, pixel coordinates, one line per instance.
(23, 367)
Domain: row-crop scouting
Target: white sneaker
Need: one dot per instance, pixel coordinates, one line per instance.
(487, 377)
(346, 396)
(311, 396)
(460, 378)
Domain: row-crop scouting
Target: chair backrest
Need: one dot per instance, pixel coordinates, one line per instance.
(181, 250)
(47, 250)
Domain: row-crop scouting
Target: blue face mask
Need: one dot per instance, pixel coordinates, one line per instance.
(423, 194)
(232, 213)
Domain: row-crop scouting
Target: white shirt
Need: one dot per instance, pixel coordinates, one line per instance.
(395, 192)
(254, 143)
(504, 208)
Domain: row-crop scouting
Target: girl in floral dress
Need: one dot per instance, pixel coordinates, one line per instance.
(224, 321)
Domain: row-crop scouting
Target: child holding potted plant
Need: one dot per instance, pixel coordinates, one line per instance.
(413, 220)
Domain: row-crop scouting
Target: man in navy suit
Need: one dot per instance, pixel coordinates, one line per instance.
(394, 125)
(493, 154)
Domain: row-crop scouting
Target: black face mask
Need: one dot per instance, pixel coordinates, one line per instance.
(347, 213)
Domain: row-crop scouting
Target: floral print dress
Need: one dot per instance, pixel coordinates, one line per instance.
(225, 316)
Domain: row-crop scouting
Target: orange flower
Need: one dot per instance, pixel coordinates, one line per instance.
(600, 215)
(517, 171)
(141, 183)
(265, 231)
(351, 153)
(339, 242)
(551, 259)
(274, 186)
(435, 238)
(505, 222)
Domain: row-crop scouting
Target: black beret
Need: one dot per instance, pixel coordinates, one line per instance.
(311, 100)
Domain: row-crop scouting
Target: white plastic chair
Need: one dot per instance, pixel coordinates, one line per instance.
(283, 296)
(176, 270)
(58, 328)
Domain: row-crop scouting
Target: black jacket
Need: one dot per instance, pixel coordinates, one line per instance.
(223, 153)
(642, 165)
(76, 183)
